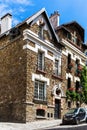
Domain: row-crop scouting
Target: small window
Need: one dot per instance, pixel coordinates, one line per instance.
(56, 70)
(40, 32)
(41, 60)
(69, 83)
(69, 104)
(51, 115)
(48, 115)
(69, 36)
(40, 112)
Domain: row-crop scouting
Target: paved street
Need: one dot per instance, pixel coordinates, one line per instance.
(41, 125)
(36, 125)
(69, 127)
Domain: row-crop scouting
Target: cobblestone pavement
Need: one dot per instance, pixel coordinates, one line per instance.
(36, 125)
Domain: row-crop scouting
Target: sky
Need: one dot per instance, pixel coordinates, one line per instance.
(69, 10)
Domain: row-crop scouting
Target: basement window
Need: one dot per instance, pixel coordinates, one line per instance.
(40, 112)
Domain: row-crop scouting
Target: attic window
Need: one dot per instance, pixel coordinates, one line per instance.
(41, 27)
(74, 37)
(69, 36)
(40, 32)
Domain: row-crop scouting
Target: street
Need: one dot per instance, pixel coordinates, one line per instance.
(69, 127)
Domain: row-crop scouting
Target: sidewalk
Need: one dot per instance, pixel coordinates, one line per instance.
(36, 125)
(43, 124)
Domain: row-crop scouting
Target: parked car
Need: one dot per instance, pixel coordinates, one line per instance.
(75, 116)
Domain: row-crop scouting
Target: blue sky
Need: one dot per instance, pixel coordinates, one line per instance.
(69, 10)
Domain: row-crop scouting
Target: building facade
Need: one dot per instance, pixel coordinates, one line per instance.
(30, 70)
(71, 35)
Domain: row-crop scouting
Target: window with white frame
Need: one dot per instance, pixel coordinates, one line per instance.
(41, 60)
(56, 68)
(40, 90)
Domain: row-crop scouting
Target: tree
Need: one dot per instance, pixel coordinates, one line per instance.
(83, 80)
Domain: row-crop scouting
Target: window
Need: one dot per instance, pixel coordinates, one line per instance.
(41, 27)
(77, 86)
(40, 90)
(69, 104)
(40, 112)
(69, 59)
(69, 83)
(74, 39)
(69, 36)
(40, 32)
(48, 115)
(56, 70)
(69, 63)
(41, 60)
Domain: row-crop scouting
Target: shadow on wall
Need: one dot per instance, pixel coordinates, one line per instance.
(13, 113)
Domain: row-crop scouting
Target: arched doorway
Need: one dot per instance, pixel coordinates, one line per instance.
(57, 94)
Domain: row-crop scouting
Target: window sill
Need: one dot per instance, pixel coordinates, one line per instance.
(69, 70)
(57, 77)
(40, 117)
(40, 101)
(41, 71)
(78, 75)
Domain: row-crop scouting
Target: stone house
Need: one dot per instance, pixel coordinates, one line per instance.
(71, 35)
(31, 86)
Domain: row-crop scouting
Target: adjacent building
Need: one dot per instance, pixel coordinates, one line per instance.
(71, 35)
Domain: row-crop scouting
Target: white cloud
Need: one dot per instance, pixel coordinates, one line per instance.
(22, 9)
(15, 7)
(22, 2)
(4, 9)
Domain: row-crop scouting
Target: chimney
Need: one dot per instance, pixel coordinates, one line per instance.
(54, 19)
(6, 22)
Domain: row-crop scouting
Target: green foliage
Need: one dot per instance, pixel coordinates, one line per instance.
(74, 96)
(83, 80)
(78, 97)
(82, 95)
(71, 95)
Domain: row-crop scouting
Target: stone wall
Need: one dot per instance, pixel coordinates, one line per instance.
(12, 79)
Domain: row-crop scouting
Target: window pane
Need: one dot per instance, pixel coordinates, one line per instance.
(36, 90)
(56, 67)
(40, 61)
(39, 91)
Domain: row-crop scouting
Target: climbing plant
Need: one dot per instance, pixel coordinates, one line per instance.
(83, 80)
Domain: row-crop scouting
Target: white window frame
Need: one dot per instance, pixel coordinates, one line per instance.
(57, 67)
(39, 89)
(41, 61)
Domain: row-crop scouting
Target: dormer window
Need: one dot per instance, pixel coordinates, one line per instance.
(69, 36)
(74, 37)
